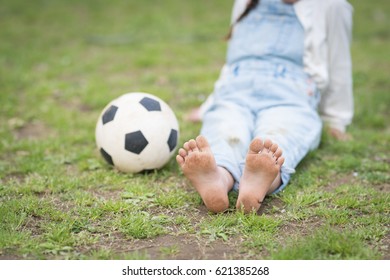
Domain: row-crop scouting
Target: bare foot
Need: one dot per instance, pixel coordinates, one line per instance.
(261, 175)
(211, 181)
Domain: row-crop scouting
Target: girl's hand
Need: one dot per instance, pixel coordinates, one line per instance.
(339, 135)
(194, 115)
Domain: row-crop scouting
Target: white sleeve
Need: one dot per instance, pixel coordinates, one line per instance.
(336, 107)
(238, 9)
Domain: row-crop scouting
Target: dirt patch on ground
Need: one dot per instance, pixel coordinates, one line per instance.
(353, 178)
(33, 131)
(185, 247)
(168, 247)
(299, 228)
(383, 187)
(271, 204)
(385, 247)
(12, 177)
(346, 179)
(33, 224)
(10, 257)
(115, 195)
(76, 105)
(70, 104)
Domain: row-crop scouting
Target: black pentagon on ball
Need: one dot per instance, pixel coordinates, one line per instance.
(135, 142)
(109, 114)
(172, 140)
(150, 104)
(106, 156)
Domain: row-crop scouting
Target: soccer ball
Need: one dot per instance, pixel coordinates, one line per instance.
(136, 132)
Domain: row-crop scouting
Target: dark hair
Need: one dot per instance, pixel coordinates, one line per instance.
(250, 6)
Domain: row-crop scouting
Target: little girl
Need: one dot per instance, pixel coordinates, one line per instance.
(288, 65)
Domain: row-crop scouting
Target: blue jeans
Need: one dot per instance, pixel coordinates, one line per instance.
(264, 99)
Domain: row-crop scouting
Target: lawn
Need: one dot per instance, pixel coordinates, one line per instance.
(62, 61)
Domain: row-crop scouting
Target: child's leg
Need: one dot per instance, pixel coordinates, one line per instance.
(213, 166)
(296, 130)
(292, 129)
(228, 127)
(211, 181)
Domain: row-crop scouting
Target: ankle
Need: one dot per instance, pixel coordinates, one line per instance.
(226, 178)
(275, 184)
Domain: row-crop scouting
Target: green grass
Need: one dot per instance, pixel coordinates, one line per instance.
(326, 244)
(62, 61)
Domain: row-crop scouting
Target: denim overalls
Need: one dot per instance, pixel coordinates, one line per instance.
(265, 93)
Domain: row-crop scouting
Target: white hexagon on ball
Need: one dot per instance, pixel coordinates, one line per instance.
(137, 131)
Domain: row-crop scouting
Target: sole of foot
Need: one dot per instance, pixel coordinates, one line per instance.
(261, 174)
(212, 182)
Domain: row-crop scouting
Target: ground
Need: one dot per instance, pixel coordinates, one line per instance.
(60, 200)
